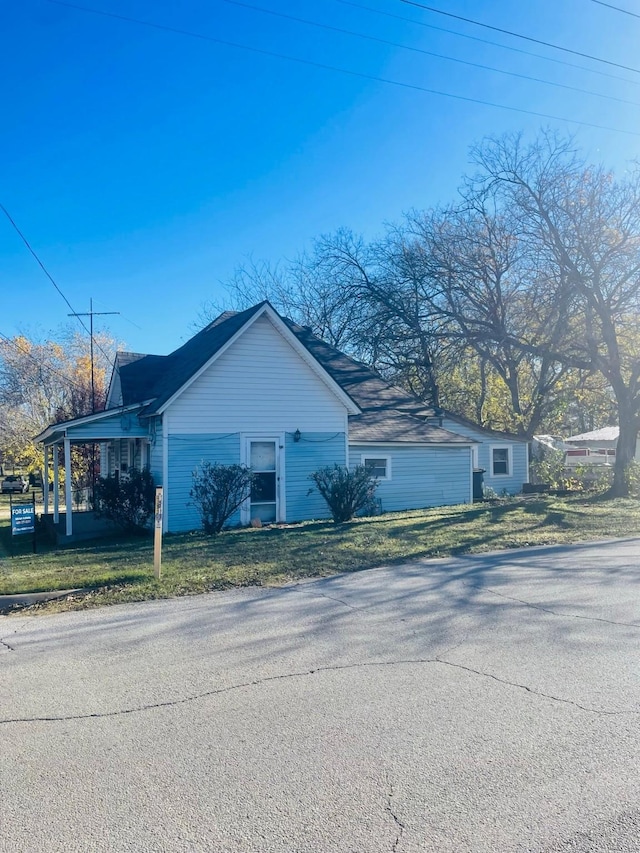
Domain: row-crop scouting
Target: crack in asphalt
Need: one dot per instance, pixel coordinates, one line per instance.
(316, 594)
(170, 703)
(8, 645)
(553, 612)
(598, 711)
(389, 808)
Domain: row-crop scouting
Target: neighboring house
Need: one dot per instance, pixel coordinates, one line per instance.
(255, 388)
(597, 447)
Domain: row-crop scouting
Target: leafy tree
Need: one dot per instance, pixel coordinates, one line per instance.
(218, 491)
(48, 381)
(346, 491)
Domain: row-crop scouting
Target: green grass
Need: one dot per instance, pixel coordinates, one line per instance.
(120, 570)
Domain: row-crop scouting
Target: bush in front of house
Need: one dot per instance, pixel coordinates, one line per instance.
(128, 501)
(346, 491)
(218, 491)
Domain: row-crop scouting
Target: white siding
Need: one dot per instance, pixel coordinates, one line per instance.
(259, 384)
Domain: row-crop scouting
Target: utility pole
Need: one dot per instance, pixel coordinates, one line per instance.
(91, 314)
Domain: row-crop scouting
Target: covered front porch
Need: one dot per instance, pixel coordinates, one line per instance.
(121, 443)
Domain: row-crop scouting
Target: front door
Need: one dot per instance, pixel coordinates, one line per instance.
(263, 461)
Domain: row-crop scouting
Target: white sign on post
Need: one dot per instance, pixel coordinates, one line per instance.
(157, 533)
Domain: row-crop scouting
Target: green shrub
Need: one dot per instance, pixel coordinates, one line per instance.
(127, 502)
(345, 491)
(548, 467)
(218, 491)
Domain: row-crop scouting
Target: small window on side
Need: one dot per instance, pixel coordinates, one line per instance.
(378, 466)
(500, 457)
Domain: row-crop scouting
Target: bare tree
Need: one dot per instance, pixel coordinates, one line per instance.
(580, 227)
(315, 290)
(484, 286)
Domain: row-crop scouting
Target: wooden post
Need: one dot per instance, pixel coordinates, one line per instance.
(157, 534)
(35, 547)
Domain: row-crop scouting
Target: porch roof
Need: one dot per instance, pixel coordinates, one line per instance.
(101, 426)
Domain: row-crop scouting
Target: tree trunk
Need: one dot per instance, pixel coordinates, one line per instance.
(625, 453)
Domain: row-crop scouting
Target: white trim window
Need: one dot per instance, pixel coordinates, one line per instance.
(378, 465)
(501, 456)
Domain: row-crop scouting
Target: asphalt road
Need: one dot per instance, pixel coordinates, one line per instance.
(480, 704)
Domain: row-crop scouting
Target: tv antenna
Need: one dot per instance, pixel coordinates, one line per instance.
(91, 314)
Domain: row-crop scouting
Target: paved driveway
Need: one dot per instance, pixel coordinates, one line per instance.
(480, 704)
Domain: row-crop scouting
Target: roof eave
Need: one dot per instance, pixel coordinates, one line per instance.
(62, 427)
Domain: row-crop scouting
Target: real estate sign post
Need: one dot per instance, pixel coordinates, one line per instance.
(23, 519)
(157, 533)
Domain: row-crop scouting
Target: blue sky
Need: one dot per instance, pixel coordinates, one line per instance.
(144, 165)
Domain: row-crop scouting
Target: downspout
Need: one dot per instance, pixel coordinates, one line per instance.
(346, 440)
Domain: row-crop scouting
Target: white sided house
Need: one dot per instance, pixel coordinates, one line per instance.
(254, 388)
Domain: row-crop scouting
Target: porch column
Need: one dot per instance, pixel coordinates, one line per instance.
(45, 481)
(67, 486)
(56, 486)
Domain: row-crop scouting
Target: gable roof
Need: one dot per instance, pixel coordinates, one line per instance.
(159, 379)
(386, 413)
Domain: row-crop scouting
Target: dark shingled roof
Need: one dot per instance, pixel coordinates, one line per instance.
(387, 425)
(490, 433)
(389, 413)
(139, 376)
(158, 377)
(364, 385)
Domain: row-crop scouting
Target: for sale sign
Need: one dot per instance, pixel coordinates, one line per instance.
(23, 519)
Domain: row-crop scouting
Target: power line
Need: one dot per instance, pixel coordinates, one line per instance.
(616, 8)
(466, 62)
(458, 34)
(48, 274)
(520, 36)
(37, 259)
(326, 67)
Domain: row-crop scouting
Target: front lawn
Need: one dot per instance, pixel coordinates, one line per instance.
(120, 570)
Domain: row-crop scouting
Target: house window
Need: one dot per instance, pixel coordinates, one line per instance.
(501, 461)
(378, 466)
